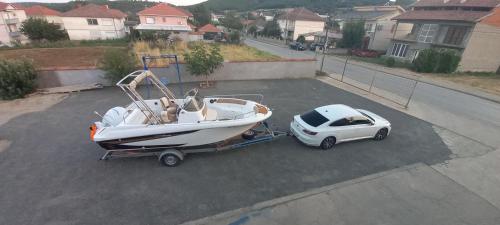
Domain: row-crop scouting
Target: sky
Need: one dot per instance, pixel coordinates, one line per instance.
(175, 2)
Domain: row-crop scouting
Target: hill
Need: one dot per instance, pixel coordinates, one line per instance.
(322, 6)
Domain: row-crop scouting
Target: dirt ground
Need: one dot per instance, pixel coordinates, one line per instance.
(486, 84)
(58, 57)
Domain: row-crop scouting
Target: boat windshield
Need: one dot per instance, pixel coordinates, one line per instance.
(195, 104)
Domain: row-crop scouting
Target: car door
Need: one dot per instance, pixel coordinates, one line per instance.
(362, 128)
(341, 130)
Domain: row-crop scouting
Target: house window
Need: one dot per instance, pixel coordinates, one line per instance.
(399, 49)
(92, 22)
(427, 33)
(455, 35)
(150, 20)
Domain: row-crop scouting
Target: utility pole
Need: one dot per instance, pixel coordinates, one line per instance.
(286, 28)
(326, 44)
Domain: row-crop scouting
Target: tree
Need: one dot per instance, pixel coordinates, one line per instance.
(353, 34)
(117, 63)
(231, 21)
(39, 29)
(252, 29)
(203, 60)
(301, 39)
(234, 37)
(272, 29)
(201, 14)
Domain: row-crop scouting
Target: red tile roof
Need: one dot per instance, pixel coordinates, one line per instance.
(38, 10)
(493, 19)
(462, 3)
(443, 15)
(187, 12)
(96, 11)
(209, 28)
(3, 5)
(164, 9)
(301, 14)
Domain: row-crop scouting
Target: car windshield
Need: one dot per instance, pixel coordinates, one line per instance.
(367, 116)
(313, 118)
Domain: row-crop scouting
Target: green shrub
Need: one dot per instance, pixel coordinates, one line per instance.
(390, 62)
(234, 37)
(117, 63)
(17, 78)
(203, 60)
(447, 61)
(301, 39)
(426, 61)
(41, 29)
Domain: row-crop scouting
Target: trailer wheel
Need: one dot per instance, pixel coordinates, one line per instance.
(249, 135)
(170, 160)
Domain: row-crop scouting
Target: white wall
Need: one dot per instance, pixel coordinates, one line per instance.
(302, 27)
(6, 28)
(107, 28)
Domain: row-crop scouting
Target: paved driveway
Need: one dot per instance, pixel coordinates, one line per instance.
(51, 175)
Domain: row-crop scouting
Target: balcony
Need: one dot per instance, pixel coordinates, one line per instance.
(15, 34)
(12, 21)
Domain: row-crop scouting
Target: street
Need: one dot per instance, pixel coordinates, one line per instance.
(480, 118)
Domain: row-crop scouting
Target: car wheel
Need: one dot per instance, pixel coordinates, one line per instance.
(328, 143)
(170, 160)
(381, 134)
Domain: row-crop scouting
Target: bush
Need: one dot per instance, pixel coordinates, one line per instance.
(426, 61)
(234, 37)
(390, 62)
(447, 61)
(117, 63)
(203, 60)
(301, 39)
(435, 60)
(41, 29)
(17, 78)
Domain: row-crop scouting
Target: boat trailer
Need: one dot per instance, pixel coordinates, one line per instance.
(172, 157)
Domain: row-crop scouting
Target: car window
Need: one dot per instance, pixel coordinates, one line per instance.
(360, 121)
(313, 118)
(339, 123)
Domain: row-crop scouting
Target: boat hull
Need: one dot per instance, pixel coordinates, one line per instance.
(194, 138)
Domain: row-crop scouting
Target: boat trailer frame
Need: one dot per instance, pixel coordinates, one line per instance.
(174, 156)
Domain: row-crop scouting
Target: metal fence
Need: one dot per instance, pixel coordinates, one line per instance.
(393, 87)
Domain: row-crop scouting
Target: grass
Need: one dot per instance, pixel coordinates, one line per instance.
(230, 52)
(382, 61)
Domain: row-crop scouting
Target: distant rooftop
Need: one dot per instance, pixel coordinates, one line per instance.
(301, 14)
(95, 11)
(38, 10)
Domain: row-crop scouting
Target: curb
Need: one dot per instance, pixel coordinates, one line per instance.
(267, 204)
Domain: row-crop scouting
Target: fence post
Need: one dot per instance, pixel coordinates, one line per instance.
(373, 79)
(411, 95)
(343, 71)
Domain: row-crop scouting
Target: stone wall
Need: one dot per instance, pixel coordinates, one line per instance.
(288, 69)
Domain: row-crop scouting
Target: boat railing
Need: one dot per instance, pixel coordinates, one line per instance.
(259, 97)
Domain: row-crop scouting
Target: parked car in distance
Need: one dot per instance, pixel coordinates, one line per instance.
(313, 46)
(297, 46)
(327, 125)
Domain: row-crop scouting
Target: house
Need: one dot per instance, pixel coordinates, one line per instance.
(210, 32)
(42, 12)
(11, 18)
(216, 18)
(92, 22)
(165, 17)
(298, 21)
(320, 37)
(472, 27)
(378, 24)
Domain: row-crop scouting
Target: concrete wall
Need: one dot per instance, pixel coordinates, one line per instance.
(230, 71)
(6, 29)
(107, 28)
(483, 49)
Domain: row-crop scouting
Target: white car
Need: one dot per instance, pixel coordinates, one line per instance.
(327, 125)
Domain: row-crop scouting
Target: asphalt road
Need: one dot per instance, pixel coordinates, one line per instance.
(51, 175)
(474, 117)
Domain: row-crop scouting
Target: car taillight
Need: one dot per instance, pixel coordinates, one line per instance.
(93, 129)
(309, 132)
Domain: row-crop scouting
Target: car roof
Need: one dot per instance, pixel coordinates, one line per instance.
(337, 111)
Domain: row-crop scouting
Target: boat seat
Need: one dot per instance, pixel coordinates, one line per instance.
(170, 115)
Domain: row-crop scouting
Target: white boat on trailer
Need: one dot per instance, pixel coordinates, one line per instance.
(171, 127)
